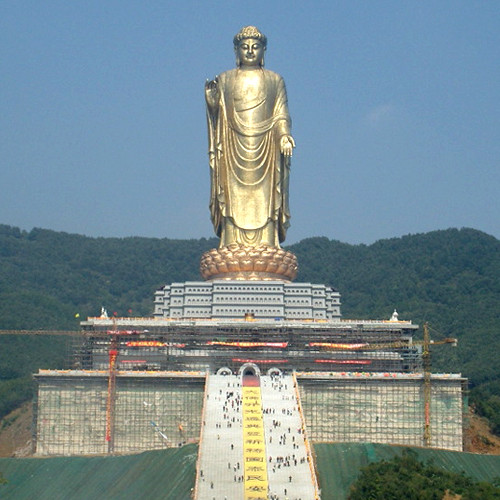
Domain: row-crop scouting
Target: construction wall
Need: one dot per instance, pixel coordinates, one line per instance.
(150, 412)
(382, 409)
(155, 410)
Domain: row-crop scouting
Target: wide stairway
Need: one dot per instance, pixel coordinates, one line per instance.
(252, 441)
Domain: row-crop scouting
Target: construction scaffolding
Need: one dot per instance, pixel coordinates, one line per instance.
(137, 384)
(383, 408)
(149, 411)
(208, 346)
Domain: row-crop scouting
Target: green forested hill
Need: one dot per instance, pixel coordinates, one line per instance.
(450, 278)
(47, 277)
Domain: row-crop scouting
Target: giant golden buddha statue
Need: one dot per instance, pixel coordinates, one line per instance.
(250, 147)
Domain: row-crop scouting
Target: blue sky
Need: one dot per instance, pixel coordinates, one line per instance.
(395, 108)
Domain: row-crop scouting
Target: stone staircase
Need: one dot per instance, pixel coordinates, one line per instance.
(233, 463)
(289, 468)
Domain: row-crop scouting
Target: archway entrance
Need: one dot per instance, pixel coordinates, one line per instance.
(224, 371)
(274, 372)
(249, 369)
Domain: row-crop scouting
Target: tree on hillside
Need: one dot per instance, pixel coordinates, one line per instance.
(405, 478)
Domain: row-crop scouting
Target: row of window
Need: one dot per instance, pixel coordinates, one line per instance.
(204, 311)
(254, 296)
(248, 299)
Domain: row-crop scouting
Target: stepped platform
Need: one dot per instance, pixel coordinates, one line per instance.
(220, 458)
(253, 442)
(291, 472)
(232, 299)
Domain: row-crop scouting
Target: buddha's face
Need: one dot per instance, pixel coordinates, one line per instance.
(250, 52)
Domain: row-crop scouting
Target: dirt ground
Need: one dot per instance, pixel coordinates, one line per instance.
(15, 434)
(478, 437)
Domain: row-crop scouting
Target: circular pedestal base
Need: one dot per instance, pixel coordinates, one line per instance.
(241, 262)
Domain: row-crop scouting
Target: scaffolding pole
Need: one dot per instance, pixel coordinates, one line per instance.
(427, 386)
(110, 404)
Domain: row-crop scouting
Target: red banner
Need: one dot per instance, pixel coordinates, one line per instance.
(145, 343)
(330, 345)
(279, 345)
(260, 361)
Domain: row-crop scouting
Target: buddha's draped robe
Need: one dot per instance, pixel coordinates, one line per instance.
(249, 175)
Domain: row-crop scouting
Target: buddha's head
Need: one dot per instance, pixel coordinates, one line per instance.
(249, 47)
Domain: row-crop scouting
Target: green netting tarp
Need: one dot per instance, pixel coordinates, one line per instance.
(339, 464)
(170, 474)
(165, 474)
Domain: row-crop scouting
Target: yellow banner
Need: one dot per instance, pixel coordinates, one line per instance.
(254, 446)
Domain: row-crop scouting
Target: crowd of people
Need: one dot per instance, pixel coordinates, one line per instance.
(286, 457)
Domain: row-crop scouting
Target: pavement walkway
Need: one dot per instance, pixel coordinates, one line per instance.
(289, 474)
(221, 466)
(220, 460)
